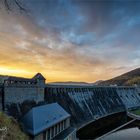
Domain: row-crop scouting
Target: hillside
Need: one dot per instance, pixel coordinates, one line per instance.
(126, 79)
(70, 83)
(10, 129)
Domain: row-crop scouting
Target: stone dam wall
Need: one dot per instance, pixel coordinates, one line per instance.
(1, 97)
(87, 103)
(84, 103)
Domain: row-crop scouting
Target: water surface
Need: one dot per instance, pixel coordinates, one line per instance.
(127, 134)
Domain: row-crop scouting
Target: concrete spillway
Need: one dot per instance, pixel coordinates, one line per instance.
(87, 103)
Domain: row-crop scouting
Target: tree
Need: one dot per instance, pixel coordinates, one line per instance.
(11, 4)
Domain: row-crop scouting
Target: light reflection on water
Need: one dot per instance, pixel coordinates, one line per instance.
(127, 134)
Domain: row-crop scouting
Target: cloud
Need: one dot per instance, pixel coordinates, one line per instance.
(70, 40)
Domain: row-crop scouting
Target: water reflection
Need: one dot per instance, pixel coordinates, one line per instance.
(127, 134)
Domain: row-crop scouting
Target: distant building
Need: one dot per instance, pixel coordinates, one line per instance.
(47, 122)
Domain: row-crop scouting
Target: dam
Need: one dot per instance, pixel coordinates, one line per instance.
(87, 103)
(90, 104)
(87, 110)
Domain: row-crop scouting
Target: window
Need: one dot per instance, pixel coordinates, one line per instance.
(59, 127)
(44, 135)
(64, 124)
(48, 134)
(55, 127)
(52, 132)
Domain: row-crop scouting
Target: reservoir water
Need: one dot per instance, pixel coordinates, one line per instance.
(126, 134)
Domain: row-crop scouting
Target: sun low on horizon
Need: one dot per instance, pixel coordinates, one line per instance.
(69, 40)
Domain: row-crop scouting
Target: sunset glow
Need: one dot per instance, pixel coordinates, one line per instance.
(70, 40)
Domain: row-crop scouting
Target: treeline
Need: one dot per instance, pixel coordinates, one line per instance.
(133, 81)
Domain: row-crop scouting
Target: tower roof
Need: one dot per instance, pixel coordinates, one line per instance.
(39, 76)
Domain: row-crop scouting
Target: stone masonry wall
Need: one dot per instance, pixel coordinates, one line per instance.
(1, 90)
(85, 103)
(20, 94)
(16, 96)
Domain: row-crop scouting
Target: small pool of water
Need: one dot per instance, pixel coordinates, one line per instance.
(126, 134)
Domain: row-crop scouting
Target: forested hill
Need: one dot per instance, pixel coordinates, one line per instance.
(126, 79)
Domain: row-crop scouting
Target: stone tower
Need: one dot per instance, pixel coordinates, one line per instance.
(17, 89)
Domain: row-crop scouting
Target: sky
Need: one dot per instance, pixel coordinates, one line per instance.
(70, 40)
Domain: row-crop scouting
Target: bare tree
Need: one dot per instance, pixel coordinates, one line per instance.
(11, 4)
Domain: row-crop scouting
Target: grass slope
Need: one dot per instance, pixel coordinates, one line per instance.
(137, 112)
(10, 129)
